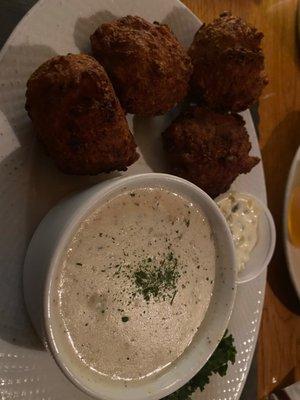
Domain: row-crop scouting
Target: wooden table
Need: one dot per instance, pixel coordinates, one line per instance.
(279, 130)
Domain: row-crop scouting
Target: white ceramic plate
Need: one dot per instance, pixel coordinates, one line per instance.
(292, 252)
(31, 185)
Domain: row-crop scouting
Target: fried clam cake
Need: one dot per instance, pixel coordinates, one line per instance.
(148, 66)
(228, 64)
(77, 116)
(208, 148)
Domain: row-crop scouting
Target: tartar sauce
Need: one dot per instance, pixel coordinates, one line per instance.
(242, 214)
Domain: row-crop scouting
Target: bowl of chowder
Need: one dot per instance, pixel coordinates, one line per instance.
(130, 285)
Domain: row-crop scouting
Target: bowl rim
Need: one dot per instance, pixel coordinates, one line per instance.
(107, 188)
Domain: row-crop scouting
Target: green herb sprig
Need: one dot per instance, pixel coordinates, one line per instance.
(217, 364)
(157, 279)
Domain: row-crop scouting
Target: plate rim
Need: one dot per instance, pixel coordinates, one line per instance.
(6, 45)
(287, 196)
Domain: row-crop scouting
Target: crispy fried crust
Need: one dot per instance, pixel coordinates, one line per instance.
(148, 67)
(208, 148)
(228, 64)
(77, 116)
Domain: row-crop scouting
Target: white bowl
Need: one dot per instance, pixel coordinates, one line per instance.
(47, 247)
(262, 253)
(292, 252)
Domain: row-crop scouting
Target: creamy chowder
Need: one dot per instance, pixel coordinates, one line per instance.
(135, 283)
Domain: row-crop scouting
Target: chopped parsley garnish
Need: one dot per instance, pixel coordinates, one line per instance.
(157, 279)
(217, 364)
(187, 222)
(173, 297)
(235, 208)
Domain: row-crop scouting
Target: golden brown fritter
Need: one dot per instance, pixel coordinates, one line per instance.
(78, 117)
(148, 67)
(208, 148)
(228, 64)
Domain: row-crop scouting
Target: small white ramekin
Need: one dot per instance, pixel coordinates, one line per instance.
(262, 253)
(42, 260)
